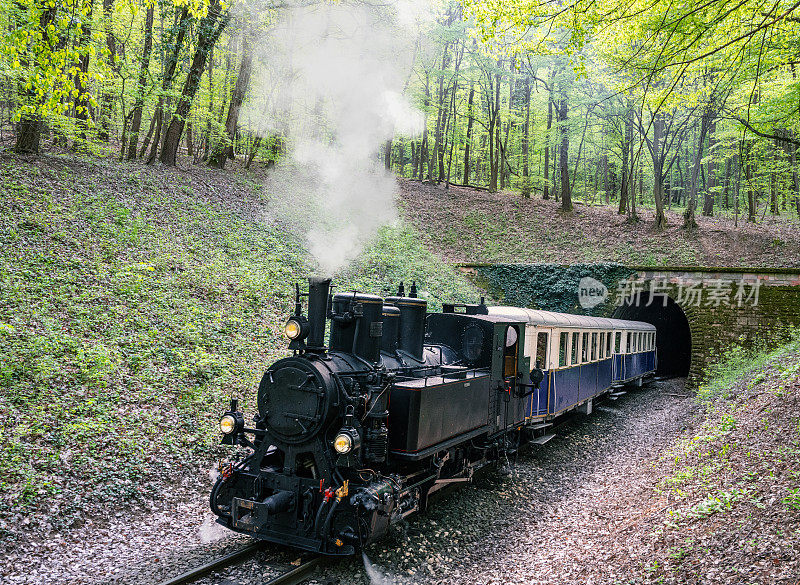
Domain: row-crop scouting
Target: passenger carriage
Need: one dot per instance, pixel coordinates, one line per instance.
(581, 357)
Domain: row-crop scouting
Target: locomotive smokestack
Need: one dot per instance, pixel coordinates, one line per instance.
(318, 289)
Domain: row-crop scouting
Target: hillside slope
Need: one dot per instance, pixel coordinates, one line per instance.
(726, 505)
(134, 302)
(468, 225)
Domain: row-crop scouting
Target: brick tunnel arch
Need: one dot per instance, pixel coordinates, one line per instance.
(674, 337)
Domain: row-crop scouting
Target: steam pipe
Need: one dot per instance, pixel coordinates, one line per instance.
(318, 289)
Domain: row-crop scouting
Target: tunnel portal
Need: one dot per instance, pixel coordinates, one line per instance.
(673, 339)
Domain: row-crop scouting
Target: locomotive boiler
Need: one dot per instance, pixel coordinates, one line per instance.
(355, 434)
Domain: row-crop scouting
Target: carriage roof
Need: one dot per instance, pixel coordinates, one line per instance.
(566, 320)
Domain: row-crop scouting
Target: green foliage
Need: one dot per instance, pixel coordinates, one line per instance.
(793, 499)
(740, 362)
(398, 255)
(131, 307)
(550, 287)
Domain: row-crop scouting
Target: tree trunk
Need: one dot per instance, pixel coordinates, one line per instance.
(29, 127)
(546, 194)
(493, 104)
(566, 195)
(209, 30)
(727, 182)
(658, 171)
(422, 152)
(468, 138)
(505, 167)
(526, 185)
(795, 179)
(136, 121)
(107, 98)
(253, 151)
(708, 201)
(189, 143)
(689, 221)
(627, 144)
(751, 192)
(169, 73)
(225, 149)
(82, 73)
(440, 119)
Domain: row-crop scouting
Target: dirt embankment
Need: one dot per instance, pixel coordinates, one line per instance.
(468, 225)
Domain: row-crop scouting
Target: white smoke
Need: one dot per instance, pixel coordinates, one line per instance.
(376, 575)
(210, 531)
(331, 80)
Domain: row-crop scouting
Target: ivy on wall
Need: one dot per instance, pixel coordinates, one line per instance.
(551, 287)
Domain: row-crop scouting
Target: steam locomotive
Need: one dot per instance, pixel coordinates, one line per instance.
(353, 436)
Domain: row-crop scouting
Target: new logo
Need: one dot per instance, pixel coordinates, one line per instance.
(591, 292)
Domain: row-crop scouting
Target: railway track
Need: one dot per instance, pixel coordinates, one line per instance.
(294, 576)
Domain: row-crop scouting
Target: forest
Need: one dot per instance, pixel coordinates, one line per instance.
(683, 106)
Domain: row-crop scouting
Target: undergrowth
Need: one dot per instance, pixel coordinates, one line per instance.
(134, 302)
(736, 473)
(739, 362)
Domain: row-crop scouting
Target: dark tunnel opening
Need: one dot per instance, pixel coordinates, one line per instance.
(673, 339)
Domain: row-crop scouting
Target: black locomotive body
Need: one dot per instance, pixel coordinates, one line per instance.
(355, 435)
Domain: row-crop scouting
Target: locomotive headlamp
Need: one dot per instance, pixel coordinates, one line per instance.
(227, 424)
(292, 329)
(297, 328)
(343, 443)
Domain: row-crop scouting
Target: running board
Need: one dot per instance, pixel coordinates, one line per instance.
(542, 440)
(539, 426)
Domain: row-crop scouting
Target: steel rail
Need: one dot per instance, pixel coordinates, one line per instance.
(291, 577)
(224, 561)
(297, 574)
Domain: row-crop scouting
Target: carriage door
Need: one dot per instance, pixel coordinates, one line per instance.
(510, 357)
(515, 403)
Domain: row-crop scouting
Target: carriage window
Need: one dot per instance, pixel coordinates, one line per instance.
(638, 342)
(652, 341)
(594, 346)
(617, 341)
(608, 344)
(629, 344)
(562, 349)
(541, 351)
(575, 340)
(585, 348)
(602, 345)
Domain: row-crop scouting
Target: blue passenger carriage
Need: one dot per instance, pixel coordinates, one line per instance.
(581, 357)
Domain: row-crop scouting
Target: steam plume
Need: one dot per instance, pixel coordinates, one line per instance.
(331, 81)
